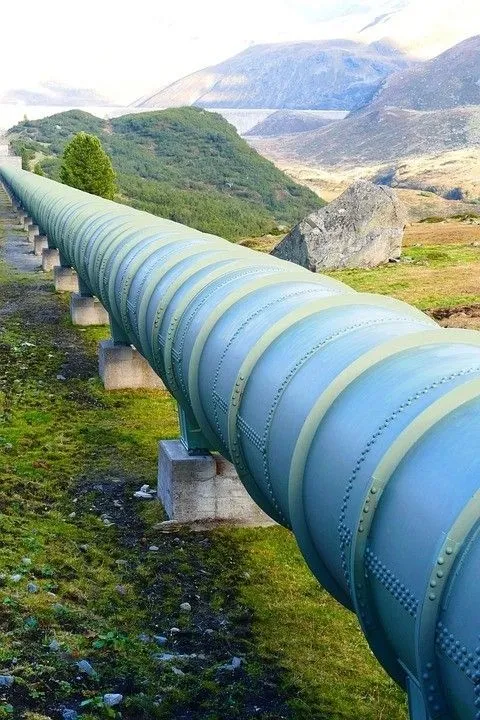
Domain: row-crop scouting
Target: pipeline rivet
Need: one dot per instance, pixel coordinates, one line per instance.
(433, 583)
(432, 596)
(449, 550)
(440, 574)
(373, 490)
(440, 560)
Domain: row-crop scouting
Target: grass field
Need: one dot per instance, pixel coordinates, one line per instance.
(439, 269)
(79, 580)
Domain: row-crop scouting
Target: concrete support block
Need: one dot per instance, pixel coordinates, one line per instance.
(121, 367)
(86, 310)
(27, 221)
(50, 259)
(195, 488)
(33, 232)
(39, 244)
(66, 279)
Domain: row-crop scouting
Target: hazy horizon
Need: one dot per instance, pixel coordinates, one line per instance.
(123, 55)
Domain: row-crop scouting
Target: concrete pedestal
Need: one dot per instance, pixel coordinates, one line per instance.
(33, 232)
(86, 310)
(196, 488)
(26, 221)
(121, 367)
(66, 279)
(40, 243)
(50, 259)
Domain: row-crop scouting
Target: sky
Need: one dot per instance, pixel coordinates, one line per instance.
(126, 50)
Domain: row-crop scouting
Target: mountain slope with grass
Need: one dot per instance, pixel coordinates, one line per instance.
(185, 164)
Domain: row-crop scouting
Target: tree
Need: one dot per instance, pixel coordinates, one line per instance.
(86, 166)
(38, 170)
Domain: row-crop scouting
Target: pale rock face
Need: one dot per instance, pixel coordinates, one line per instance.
(362, 228)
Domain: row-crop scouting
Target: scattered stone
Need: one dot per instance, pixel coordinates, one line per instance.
(145, 493)
(16, 578)
(167, 657)
(144, 638)
(68, 714)
(160, 639)
(209, 631)
(32, 588)
(72, 515)
(27, 561)
(84, 548)
(112, 699)
(175, 630)
(177, 671)
(85, 667)
(121, 589)
(6, 681)
(234, 664)
(185, 607)
(61, 377)
(54, 646)
(362, 228)
(154, 548)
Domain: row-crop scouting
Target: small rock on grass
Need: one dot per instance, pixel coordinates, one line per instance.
(69, 714)
(85, 667)
(6, 681)
(185, 607)
(112, 699)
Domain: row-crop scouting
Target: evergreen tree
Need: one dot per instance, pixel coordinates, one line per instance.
(38, 170)
(86, 166)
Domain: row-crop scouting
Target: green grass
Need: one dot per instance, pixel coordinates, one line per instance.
(429, 277)
(71, 456)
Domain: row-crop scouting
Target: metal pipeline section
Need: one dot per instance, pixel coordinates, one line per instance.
(353, 419)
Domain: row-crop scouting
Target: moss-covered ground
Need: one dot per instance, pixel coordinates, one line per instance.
(86, 573)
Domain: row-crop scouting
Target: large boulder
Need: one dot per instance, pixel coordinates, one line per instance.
(361, 228)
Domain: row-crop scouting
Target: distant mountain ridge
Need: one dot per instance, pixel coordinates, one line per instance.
(433, 107)
(325, 75)
(450, 80)
(54, 94)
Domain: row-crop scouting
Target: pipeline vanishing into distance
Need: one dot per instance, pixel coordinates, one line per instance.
(351, 418)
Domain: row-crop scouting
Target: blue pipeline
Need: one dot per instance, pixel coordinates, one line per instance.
(351, 418)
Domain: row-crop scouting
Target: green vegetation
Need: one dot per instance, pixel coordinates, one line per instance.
(86, 166)
(185, 164)
(429, 277)
(78, 580)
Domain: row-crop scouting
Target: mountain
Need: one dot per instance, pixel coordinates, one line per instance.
(51, 93)
(431, 108)
(288, 122)
(185, 164)
(325, 75)
(377, 136)
(421, 28)
(448, 81)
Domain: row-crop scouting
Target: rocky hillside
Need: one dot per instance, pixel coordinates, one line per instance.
(448, 81)
(289, 122)
(377, 136)
(430, 108)
(186, 164)
(326, 75)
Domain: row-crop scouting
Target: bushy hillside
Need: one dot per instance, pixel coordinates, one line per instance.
(185, 164)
